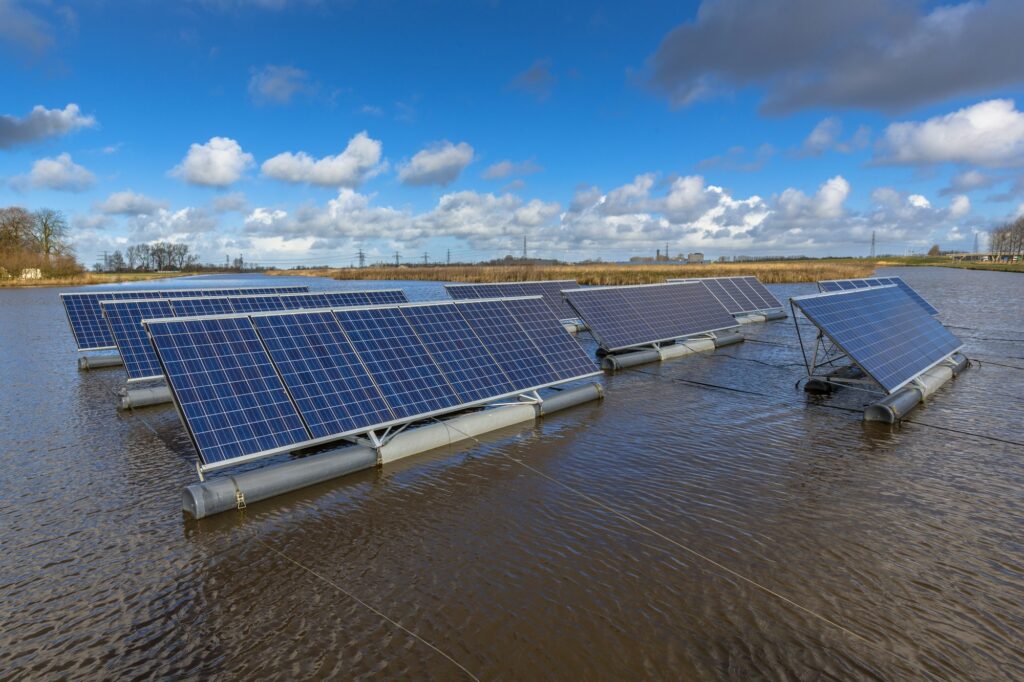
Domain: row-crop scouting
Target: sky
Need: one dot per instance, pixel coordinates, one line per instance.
(296, 132)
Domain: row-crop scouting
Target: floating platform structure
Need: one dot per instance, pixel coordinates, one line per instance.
(549, 290)
(744, 297)
(892, 343)
(644, 323)
(253, 386)
(124, 319)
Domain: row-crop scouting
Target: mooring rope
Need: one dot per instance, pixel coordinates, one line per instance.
(722, 567)
(367, 606)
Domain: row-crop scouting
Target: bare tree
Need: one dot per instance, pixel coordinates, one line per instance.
(15, 228)
(116, 262)
(1008, 239)
(935, 250)
(49, 232)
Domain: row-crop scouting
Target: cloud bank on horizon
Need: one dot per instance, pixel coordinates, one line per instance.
(780, 127)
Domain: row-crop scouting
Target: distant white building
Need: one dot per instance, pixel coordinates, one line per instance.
(31, 273)
(695, 258)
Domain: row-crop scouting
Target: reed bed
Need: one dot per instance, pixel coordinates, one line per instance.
(598, 274)
(86, 278)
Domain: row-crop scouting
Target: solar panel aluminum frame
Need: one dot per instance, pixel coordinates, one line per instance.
(677, 280)
(204, 468)
(794, 304)
(299, 288)
(654, 342)
(135, 380)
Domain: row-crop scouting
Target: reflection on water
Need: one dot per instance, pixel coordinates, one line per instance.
(549, 550)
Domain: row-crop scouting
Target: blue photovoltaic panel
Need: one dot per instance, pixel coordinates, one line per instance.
(463, 358)
(331, 387)
(124, 317)
(90, 329)
(550, 291)
(883, 330)
(229, 394)
(518, 356)
(562, 351)
(851, 284)
(622, 317)
(255, 304)
(386, 296)
(194, 307)
(408, 378)
(744, 294)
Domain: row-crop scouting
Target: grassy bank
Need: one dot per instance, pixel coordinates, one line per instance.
(944, 262)
(88, 278)
(770, 272)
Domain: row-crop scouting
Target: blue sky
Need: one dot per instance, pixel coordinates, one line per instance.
(303, 131)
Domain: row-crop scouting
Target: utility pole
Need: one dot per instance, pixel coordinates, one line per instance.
(449, 257)
(397, 256)
(362, 258)
(666, 251)
(425, 258)
(524, 247)
(976, 247)
(872, 244)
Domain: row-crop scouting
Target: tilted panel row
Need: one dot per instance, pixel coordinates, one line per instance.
(91, 331)
(348, 371)
(140, 362)
(549, 290)
(883, 331)
(738, 294)
(628, 316)
(851, 284)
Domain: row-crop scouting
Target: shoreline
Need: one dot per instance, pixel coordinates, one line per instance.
(89, 278)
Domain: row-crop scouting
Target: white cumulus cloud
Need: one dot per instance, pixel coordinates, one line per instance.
(989, 133)
(60, 173)
(360, 160)
(439, 164)
(130, 203)
(218, 163)
(41, 123)
(274, 84)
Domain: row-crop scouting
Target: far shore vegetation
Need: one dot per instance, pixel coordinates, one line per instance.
(35, 250)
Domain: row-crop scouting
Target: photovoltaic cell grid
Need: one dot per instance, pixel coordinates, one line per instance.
(352, 370)
(851, 284)
(738, 294)
(623, 317)
(91, 331)
(550, 291)
(140, 362)
(883, 330)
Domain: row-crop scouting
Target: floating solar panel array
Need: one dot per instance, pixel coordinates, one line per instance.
(883, 331)
(91, 331)
(627, 316)
(550, 291)
(125, 317)
(851, 284)
(738, 294)
(256, 385)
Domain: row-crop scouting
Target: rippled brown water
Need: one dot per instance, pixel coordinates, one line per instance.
(612, 541)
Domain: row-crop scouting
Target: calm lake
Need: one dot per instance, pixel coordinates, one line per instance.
(707, 520)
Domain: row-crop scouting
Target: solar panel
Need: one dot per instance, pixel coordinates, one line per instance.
(739, 295)
(549, 290)
(408, 378)
(883, 331)
(193, 307)
(357, 369)
(623, 317)
(226, 388)
(332, 389)
(515, 353)
(90, 330)
(124, 319)
(851, 284)
(463, 358)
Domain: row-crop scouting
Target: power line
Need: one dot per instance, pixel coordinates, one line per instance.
(398, 256)
(362, 258)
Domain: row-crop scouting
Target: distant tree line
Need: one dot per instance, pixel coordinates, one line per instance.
(35, 240)
(158, 256)
(1007, 239)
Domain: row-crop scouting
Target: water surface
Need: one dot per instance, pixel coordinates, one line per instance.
(707, 520)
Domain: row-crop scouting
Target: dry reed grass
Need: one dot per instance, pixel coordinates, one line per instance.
(771, 272)
(86, 278)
